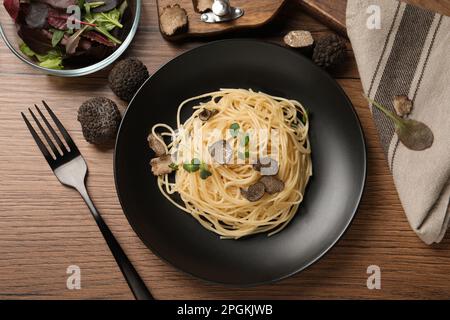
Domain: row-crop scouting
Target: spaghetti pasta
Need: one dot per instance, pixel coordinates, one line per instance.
(217, 202)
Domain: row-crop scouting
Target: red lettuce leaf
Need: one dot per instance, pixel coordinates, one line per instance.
(58, 19)
(39, 40)
(97, 37)
(12, 7)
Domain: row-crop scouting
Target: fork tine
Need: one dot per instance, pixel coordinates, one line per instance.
(52, 131)
(38, 140)
(61, 128)
(44, 133)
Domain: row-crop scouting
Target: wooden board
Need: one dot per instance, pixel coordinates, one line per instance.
(45, 227)
(257, 13)
(332, 12)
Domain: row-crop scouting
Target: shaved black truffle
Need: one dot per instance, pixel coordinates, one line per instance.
(100, 119)
(267, 166)
(127, 77)
(254, 192)
(272, 184)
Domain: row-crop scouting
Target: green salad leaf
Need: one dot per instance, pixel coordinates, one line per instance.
(57, 37)
(52, 60)
(108, 20)
(105, 25)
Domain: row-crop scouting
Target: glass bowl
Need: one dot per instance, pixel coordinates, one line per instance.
(8, 32)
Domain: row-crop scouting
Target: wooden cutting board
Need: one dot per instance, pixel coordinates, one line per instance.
(257, 13)
(330, 12)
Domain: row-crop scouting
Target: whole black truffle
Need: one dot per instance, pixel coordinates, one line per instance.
(100, 119)
(126, 78)
(329, 51)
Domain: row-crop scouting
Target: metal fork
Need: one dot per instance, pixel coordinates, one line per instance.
(70, 168)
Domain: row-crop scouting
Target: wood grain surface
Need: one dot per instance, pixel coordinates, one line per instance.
(45, 227)
(332, 12)
(256, 14)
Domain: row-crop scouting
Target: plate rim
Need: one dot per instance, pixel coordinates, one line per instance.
(324, 251)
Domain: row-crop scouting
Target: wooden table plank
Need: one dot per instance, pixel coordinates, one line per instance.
(45, 227)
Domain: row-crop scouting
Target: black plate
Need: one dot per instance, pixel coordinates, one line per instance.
(339, 163)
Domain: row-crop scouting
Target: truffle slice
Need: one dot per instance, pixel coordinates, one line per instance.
(203, 5)
(173, 20)
(161, 165)
(299, 39)
(402, 105)
(154, 141)
(272, 184)
(254, 192)
(221, 152)
(205, 115)
(267, 166)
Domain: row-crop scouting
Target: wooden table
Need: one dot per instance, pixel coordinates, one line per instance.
(45, 227)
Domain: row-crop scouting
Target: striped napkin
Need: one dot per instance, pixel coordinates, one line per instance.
(408, 53)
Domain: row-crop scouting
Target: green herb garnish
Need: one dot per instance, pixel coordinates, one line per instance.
(245, 140)
(193, 166)
(234, 130)
(173, 166)
(244, 155)
(415, 135)
(204, 171)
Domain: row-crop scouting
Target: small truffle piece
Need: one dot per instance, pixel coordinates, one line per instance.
(329, 51)
(173, 20)
(402, 105)
(127, 77)
(272, 184)
(254, 192)
(299, 39)
(205, 115)
(100, 119)
(154, 142)
(162, 165)
(221, 152)
(202, 6)
(267, 166)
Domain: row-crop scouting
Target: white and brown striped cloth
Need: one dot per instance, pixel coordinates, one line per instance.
(409, 54)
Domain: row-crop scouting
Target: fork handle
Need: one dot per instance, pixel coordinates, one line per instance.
(133, 279)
